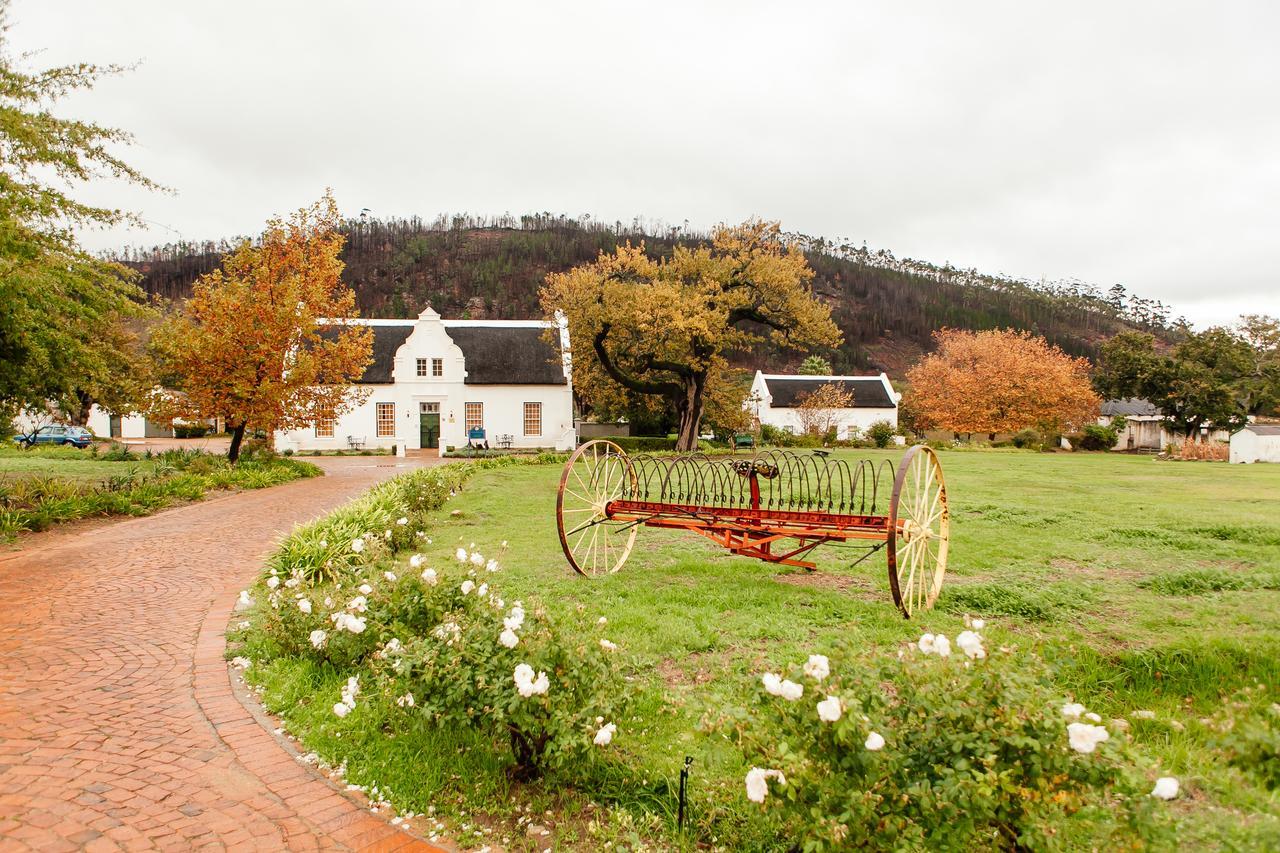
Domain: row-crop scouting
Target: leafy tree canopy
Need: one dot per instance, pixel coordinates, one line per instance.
(63, 308)
(1000, 381)
(263, 341)
(660, 327)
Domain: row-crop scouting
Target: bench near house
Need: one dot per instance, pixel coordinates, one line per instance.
(436, 382)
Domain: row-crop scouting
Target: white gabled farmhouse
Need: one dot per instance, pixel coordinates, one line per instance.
(775, 397)
(436, 382)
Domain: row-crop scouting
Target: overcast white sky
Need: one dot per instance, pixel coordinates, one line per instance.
(1111, 142)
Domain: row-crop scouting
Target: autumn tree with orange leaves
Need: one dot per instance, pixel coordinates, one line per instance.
(262, 341)
(1001, 381)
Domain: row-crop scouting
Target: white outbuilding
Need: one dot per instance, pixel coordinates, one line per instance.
(1256, 443)
(775, 399)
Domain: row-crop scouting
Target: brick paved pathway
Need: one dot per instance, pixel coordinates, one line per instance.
(118, 726)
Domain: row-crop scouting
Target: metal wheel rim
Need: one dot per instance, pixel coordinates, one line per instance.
(917, 553)
(598, 472)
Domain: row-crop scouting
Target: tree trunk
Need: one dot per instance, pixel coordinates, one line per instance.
(80, 417)
(237, 436)
(690, 412)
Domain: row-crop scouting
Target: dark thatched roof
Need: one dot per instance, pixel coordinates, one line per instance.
(789, 392)
(507, 355)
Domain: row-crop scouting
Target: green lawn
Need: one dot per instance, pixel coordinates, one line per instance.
(70, 464)
(1148, 585)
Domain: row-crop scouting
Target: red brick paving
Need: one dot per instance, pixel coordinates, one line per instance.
(119, 728)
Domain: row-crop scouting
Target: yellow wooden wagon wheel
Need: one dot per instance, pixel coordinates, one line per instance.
(919, 531)
(598, 472)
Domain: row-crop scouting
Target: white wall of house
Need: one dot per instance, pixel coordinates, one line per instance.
(502, 406)
(1248, 446)
(760, 404)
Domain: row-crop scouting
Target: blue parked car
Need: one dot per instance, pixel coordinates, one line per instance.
(57, 434)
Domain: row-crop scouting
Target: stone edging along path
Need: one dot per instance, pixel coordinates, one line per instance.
(120, 726)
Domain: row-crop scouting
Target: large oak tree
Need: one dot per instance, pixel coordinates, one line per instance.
(661, 327)
(264, 341)
(1000, 381)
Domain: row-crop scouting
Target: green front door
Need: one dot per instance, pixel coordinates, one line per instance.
(429, 429)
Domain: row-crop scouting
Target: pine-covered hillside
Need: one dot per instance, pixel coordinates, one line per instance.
(887, 307)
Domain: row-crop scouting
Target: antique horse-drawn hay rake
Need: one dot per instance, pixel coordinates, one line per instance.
(776, 506)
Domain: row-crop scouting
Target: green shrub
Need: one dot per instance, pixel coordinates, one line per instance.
(1095, 437)
(881, 433)
(191, 430)
(1253, 745)
(929, 753)
(1028, 439)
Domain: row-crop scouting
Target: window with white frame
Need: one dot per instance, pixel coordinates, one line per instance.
(437, 367)
(386, 422)
(324, 423)
(473, 416)
(533, 419)
(422, 367)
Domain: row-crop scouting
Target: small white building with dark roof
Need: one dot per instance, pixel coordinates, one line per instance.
(775, 399)
(438, 383)
(1256, 443)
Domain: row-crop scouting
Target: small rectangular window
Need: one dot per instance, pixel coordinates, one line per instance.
(324, 423)
(422, 367)
(474, 415)
(386, 420)
(437, 367)
(533, 419)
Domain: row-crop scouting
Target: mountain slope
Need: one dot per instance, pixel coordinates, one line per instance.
(887, 307)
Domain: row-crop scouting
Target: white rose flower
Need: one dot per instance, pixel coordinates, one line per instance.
(359, 604)
(304, 605)
(971, 644)
(491, 566)
(244, 598)
(415, 561)
(829, 709)
(391, 576)
(355, 624)
(758, 783)
(541, 684)
(429, 577)
(273, 582)
(875, 742)
(608, 646)
(467, 586)
(772, 684)
(605, 736)
(601, 621)
(1072, 710)
(365, 589)
(477, 559)
(341, 710)
(318, 637)
(405, 701)
(357, 545)
(515, 620)
(926, 643)
(817, 667)
(1166, 788)
(790, 691)
(402, 521)
(508, 638)
(979, 624)
(1092, 717)
(482, 590)
(942, 646)
(460, 555)
(1084, 738)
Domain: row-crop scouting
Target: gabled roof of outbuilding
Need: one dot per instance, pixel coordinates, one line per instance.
(788, 392)
(1129, 406)
(1263, 429)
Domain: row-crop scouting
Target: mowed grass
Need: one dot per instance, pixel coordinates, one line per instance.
(69, 464)
(1150, 585)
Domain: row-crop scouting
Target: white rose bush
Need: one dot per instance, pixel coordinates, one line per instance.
(946, 743)
(349, 594)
